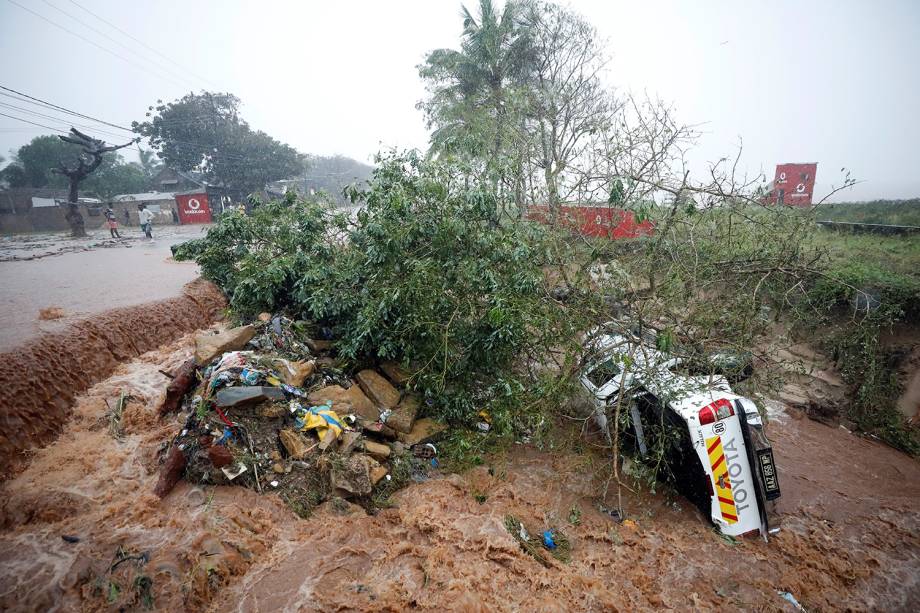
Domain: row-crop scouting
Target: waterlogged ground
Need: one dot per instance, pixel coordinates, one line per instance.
(51, 280)
(850, 539)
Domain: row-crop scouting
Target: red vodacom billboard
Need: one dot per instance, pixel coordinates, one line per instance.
(794, 184)
(193, 208)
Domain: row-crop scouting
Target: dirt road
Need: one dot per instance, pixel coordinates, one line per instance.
(74, 278)
(850, 539)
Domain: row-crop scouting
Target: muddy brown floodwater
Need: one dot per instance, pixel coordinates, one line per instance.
(78, 279)
(850, 536)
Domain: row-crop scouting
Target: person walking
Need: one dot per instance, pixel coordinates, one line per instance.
(146, 218)
(112, 222)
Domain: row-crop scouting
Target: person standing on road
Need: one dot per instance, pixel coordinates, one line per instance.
(112, 222)
(146, 218)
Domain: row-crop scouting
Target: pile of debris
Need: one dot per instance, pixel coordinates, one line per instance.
(265, 406)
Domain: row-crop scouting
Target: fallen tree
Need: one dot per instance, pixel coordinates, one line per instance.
(490, 313)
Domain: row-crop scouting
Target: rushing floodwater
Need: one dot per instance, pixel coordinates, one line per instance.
(850, 536)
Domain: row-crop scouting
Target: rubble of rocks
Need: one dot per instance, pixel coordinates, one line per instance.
(265, 406)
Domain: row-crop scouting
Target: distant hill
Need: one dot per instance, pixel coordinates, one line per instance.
(892, 212)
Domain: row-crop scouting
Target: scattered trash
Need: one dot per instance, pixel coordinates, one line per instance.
(116, 414)
(560, 549)
(273, 410)
(614, 514)
(575, 515)
(234, 396)
(321, 418)
(483, 426)
(70, 538)
(181, 381)
(791, 599)
(233, 472)
(171, 472)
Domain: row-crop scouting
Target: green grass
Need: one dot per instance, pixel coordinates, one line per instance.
(892, 212)
(892, 253)
(887, 268)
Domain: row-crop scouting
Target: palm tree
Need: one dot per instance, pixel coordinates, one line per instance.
(149, 163)
(471, 87)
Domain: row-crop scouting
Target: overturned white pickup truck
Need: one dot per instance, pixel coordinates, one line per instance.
(717, 454)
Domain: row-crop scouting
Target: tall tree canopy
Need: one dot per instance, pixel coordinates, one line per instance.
(472, 90)
(204, 132)
(521, 99)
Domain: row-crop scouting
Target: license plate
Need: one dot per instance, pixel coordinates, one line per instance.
(768, 473)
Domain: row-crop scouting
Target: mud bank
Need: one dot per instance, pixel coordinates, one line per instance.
(40, 380)
(850, 537)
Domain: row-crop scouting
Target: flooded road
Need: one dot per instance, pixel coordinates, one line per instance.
(850, 536)
(72, 278)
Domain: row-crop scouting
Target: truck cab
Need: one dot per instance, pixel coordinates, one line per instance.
(716, 451)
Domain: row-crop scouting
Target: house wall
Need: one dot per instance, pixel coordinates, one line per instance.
(18, 216)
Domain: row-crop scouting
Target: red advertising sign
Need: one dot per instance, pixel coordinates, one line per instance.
(193, 208)
(794, 184)
(603, 221)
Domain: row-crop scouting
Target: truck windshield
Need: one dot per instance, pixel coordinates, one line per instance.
(604, 372)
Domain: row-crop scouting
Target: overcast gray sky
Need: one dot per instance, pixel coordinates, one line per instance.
(833, 82)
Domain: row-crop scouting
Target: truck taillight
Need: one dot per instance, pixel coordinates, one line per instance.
(717, 411)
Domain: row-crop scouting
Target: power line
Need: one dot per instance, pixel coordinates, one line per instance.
(142, 43)
(21, 97)
(61, 108)
(195, 147)
(95, 44)
(124, 46)
(78, 125)
(41, 125)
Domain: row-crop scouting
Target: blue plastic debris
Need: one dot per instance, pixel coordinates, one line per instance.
(434, 462)
(293, 391)
(548, 540)
(249, 376)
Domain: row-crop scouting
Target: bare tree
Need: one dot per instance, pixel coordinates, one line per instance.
(569, 103)
(87, 162)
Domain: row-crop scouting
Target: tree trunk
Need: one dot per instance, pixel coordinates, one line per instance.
(73, 215)
(552, 193)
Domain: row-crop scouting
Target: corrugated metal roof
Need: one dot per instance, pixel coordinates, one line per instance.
(146, 196)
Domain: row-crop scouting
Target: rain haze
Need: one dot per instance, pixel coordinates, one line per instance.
(827, 82)
(478, 305)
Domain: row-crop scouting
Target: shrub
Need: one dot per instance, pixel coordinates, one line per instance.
(424, 274)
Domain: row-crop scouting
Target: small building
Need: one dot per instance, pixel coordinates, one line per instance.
(169, 180)
(161, 204)
(31, 209)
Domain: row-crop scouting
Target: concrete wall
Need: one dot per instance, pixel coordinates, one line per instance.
(18, 216)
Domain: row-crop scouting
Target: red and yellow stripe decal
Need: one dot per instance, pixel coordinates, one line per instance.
(720, 476)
